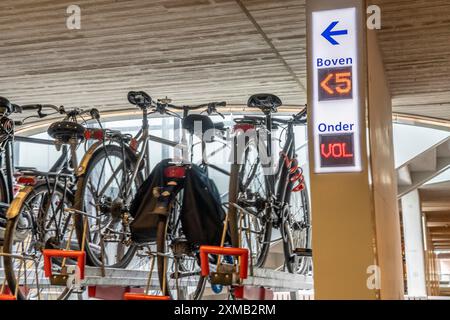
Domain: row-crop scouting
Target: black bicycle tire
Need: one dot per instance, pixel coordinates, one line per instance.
(9, 235)
(160, 248)
(232, 215)
(91, 258)
(286, 245)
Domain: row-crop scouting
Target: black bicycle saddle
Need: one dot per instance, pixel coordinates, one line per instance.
(5, 106)
(140, 99)
(64, 131)
(193, 123)
(265, 101)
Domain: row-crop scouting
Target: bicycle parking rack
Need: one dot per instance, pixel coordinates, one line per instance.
(225, 275)
(7, 297)
(262, 284)
(61, 279)
(137, 296)
(6, 293)
(145, 295)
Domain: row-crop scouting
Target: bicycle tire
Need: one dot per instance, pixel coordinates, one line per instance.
(10, 235)
(298, 265)
(161, 247)
(99, 154)
(235, 196)
(3, 199)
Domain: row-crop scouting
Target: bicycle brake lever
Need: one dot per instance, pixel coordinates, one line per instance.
(173, 114)
(40, 113)
(220, 114)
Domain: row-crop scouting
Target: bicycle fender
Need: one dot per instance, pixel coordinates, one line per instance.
(87, 157)
(15, 206)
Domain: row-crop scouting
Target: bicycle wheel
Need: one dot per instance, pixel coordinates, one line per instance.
(249, 191)
(296, 232)
(3, 199)
(101, 193)
(41, 223)
(178, 263)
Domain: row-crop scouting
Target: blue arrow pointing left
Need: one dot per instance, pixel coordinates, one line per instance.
(329, 33)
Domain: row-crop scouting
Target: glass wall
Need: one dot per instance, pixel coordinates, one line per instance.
(217, 153)
(409, 141)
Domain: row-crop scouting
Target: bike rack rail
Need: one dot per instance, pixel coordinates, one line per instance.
(139, 296)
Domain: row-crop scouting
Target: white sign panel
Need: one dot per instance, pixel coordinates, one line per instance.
(336, 101)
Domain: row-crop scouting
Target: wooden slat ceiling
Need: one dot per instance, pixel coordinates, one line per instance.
(201, 50)
(415, 40)
(193, 51)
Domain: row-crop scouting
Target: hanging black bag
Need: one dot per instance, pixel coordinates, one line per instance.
(202, 214)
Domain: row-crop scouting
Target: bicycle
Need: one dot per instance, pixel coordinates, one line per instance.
(177, 260)
(271, 198)
(31, 192)
(40, 217)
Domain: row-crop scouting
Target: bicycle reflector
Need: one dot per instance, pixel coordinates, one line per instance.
(94, 134)
(175, 172)
(243, 127)
(27, 180)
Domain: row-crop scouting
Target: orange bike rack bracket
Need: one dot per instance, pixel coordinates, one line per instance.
(236, 252)
(7, 297)
(141, 296)
(54, 253)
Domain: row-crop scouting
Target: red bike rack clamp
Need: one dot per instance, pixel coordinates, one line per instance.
(80, 256)
(140, 296)
(236, 252)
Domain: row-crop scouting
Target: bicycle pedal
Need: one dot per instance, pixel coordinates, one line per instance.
(303, 252)
(224, 278)
(78, 290)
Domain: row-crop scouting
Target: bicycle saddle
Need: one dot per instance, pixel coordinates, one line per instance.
(265, 101)
(65, 131)
(5, 105)
(193, 123)
(140, 99)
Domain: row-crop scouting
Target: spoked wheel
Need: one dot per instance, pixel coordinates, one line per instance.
(296, 232)
(178, 263)
(248, 190)
(41, 224)
(102, 193)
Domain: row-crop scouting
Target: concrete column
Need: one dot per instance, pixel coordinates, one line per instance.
(356, 229)
(414, 247)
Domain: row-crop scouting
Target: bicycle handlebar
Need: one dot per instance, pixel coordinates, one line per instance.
(143, 100)
(297, 119)
(209, 105)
